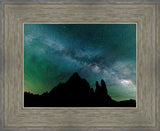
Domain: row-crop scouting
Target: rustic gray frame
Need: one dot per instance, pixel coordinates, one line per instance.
(15, 116)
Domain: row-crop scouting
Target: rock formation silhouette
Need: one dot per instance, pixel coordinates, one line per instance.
(76, 92)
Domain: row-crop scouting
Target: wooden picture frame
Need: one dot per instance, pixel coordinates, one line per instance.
(15, 116)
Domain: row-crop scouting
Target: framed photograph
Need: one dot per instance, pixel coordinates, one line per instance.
(80, 65)
(56, 56)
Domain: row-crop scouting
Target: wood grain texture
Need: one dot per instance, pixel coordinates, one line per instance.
(15, 116)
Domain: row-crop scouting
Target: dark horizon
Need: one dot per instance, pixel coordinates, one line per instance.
(65, 82)
(76, 92)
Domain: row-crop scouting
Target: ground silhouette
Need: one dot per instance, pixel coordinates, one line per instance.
(76, 92)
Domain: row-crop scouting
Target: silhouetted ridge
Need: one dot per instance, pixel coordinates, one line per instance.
(76, 92)
(101, 94)
(75, 76)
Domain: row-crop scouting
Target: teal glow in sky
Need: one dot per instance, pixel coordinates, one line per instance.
(53, 52)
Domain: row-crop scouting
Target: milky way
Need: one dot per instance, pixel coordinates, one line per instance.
(53, 52)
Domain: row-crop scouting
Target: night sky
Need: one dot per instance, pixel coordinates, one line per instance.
(53, 52)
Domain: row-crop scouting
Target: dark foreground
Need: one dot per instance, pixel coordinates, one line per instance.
(76, 92)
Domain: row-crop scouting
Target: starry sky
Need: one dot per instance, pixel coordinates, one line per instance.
(53, 52)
